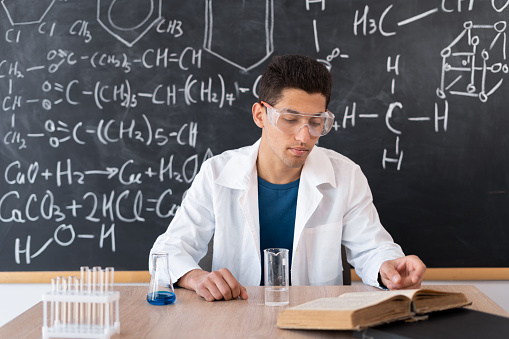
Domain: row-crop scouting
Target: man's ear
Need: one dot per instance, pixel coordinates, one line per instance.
(258, 114)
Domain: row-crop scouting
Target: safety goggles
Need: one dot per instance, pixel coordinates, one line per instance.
(289, 121)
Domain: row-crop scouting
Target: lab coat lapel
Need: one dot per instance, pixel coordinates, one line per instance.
(240, 173)
(249, 204)
(317, 170)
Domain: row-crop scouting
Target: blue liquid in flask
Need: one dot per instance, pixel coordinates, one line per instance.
(161, 298)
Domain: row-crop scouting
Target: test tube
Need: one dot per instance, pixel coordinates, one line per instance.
(101, 291)
(110, 272)
(52, 308)
(109, 279)
(94, 276)
(89, 305)
(83, 279)
(58, 288)
(100, 280)
(83, 276)
(88, 286)
(95, 285)
(74, 285)
(64, 309)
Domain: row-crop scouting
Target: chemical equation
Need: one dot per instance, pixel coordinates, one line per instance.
(126, 174)
(106, 209)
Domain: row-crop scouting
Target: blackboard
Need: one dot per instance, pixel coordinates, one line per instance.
(109, 108)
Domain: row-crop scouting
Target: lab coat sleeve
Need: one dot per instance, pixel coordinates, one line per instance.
(187, 237)
(366, 241)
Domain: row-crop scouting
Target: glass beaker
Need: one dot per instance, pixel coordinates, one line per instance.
(276, 275)
(160, 289)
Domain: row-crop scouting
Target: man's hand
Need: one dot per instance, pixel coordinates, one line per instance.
(401, 273)
(216, 285)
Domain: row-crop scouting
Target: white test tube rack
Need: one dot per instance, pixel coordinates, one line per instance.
(82, 308)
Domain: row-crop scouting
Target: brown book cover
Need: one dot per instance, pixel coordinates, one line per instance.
(357, 310)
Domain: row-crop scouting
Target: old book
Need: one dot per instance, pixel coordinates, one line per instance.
(357, 310)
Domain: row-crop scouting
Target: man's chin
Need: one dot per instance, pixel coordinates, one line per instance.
(295, 163)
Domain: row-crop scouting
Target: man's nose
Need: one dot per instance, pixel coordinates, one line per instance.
(303, 134)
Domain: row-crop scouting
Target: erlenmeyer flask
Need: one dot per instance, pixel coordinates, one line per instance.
(160, 289)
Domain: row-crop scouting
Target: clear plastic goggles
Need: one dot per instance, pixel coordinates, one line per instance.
(291, 122)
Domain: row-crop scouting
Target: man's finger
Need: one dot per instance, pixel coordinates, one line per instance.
(208, 286)
(204, 292)
(223, 288)
(243, 292)
(407, 281)
(390, 273)
(218, 286)
(233, 284)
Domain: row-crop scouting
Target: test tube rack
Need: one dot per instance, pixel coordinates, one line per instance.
(82, 308)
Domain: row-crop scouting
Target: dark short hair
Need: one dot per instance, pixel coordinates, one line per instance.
(294, 71)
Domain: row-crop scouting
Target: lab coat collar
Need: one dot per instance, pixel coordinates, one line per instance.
(239, 170)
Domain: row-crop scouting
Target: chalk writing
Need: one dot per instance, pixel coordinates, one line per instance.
(109, 108)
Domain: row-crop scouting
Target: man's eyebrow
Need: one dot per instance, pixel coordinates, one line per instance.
(289, 110)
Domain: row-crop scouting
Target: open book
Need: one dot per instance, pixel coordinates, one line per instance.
(358, 310)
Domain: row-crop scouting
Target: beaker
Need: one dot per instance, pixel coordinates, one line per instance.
(276, 277)
(160, 289)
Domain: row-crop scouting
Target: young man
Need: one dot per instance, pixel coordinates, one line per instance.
(284, 192)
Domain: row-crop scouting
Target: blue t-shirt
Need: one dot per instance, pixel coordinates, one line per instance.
(277, 205)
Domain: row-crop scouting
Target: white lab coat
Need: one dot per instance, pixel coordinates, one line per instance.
(334, 206)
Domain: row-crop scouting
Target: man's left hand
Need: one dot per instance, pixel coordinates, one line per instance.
(402, 273)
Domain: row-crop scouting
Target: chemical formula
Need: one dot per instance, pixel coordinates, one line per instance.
(109, 108)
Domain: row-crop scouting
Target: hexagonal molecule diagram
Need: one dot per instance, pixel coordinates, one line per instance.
(239, 32)
(26, 12)
(128, 20)
(474, 63)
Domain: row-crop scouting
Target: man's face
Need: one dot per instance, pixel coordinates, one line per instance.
(293, 149)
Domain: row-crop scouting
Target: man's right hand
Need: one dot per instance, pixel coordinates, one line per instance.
(216, 285)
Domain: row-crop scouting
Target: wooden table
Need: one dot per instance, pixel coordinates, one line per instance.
(193, 317)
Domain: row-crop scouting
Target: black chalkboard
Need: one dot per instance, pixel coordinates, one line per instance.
(109, 108)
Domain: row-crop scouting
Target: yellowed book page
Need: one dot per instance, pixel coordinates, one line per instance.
(357, 300)
(354, 300)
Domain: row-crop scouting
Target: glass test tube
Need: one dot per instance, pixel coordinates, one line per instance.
(58, 309)
(53, 305)
(109, 279)
(74, 309)
(95, 290)
(101, 291)
(64, 304)
(83, 277)
(109, 272)
(89, 291)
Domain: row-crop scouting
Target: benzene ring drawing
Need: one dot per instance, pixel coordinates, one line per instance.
(128, 20)
(18, 15)
(472, 65)
(239, 32)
